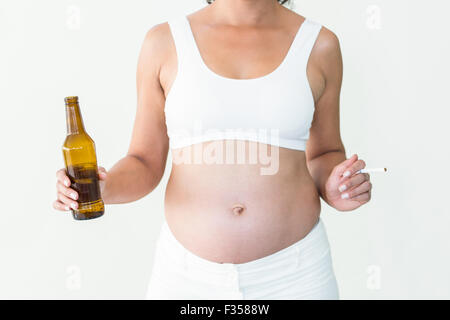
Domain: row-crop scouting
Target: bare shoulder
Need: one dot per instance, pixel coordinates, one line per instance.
(157, 44)
(326, 57)
(327, 51)
(327, 42)
(158, 32)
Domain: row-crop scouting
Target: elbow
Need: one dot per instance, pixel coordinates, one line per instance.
(153, 171)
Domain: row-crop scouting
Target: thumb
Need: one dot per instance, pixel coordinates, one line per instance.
(340, 168)
(102, 173)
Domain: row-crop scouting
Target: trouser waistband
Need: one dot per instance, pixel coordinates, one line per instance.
(316, 239)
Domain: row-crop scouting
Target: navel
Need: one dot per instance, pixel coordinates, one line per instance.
(238, 209)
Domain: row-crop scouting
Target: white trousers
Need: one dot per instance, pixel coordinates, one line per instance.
(301, 271)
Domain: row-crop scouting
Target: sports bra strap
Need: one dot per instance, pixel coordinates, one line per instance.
(181, 39)
(306, 40)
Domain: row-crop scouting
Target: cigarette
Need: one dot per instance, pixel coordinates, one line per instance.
(367, 170)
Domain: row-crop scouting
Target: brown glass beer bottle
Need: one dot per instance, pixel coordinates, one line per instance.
(81, 164)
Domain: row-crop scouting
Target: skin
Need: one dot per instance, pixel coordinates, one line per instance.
(231, 213)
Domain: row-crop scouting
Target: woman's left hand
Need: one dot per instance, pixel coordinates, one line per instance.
(346, 190)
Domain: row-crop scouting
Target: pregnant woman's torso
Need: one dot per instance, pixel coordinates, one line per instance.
(231, 212)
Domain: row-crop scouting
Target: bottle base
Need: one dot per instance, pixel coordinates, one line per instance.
(87, 216)
(88, 211)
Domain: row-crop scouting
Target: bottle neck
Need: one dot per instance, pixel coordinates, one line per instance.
(74, 121)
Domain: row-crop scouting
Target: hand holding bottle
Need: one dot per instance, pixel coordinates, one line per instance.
(66, 197)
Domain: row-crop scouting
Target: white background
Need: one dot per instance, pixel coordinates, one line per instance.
(394, 113)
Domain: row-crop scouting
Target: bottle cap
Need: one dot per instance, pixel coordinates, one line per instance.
(71, 99)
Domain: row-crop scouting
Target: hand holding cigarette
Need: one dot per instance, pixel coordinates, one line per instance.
(349, 186)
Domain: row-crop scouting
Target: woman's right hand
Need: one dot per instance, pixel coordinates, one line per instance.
(66, 197)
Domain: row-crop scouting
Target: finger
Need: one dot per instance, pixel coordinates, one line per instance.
(58, 205)
(357, 165)
(352, 182)
(102, 173)
(68, 192)
(352, 193)
(62, 176)
(340, 168)
(67, 201)
(366, 176)
(363, 197)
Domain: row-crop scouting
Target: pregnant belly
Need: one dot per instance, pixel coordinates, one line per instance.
(233, 214)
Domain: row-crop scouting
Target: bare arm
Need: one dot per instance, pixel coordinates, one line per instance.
(140, 171)
(324, 148)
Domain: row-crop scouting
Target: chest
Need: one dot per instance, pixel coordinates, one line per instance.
(241, 55)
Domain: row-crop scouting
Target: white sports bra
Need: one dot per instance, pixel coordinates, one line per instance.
(275, 109)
